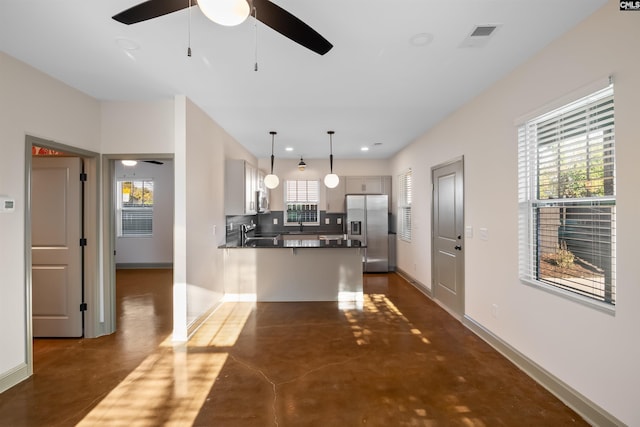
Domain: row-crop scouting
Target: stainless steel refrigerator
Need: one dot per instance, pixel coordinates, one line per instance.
(367, 221)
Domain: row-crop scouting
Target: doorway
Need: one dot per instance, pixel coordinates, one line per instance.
(143, 212)
(447, 242)
(89, 271)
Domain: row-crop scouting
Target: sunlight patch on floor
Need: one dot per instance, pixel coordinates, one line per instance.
(224, 326)
(384, 308)
(170, 386)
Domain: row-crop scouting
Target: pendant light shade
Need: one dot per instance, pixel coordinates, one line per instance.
(225, 12)
(302, 165)
(271, 181)
(331, 180)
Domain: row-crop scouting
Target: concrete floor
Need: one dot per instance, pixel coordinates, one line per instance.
(399, 360)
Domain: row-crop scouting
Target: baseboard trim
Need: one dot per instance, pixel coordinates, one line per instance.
(14, 377)
(590, 411)
(141, 265)
(417, 284)
(195, 325)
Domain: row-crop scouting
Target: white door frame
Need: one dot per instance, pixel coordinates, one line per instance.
(92, 277)
(109, 229)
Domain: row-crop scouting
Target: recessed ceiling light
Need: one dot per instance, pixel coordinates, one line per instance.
(288, 149)
(364, 149)
(421, 39)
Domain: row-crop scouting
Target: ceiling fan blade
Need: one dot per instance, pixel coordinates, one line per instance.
(154, 162)
(150, 9)
(291, 27)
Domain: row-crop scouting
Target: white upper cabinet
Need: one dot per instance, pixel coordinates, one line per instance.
(369, 185)
(241, 184)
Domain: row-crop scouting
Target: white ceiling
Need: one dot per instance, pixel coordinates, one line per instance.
(373, 87)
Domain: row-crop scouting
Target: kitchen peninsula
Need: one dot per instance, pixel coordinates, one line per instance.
(289, 269)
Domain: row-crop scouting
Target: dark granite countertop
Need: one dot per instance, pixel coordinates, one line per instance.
(268, 243)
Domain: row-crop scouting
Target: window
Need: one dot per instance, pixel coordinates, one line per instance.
(301, 201)
(566, 173)
(404, 206)
(135, 207)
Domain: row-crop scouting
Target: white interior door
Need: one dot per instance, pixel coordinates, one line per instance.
(448, 225)
(56, 226)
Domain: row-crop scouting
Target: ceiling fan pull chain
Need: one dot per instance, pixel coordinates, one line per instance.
(255, 26)
(189, 37)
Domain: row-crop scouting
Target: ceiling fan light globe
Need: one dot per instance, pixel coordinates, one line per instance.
(331, 180)
(225, 12)
(271, 181)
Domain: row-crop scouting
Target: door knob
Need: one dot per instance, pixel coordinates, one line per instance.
(458, 248)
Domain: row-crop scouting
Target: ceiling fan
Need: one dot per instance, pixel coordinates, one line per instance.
(267, 12)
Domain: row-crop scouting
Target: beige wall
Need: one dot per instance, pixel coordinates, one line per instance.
(32, 103)
(137, 127)
(591, 351)
(205, 212)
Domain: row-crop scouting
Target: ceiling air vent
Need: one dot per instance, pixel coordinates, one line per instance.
(480, 35)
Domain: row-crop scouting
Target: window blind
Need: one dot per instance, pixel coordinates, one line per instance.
(404, 206)
(303, 191)
(302, 200)
(135, 207)
(137, 222)
(566, 181)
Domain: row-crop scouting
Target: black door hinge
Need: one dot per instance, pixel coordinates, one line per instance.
(83, 306)
(83, 242)
(83, 177)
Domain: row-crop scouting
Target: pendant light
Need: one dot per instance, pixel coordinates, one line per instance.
(271, 181)
(331, 180)
(225, 12)
(301, 165)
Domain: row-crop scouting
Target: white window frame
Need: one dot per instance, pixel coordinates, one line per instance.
(302, 202)
(405, 193)
(578, 128)
(145, 211)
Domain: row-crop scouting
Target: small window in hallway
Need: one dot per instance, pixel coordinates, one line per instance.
(404, 206)
(135, 207)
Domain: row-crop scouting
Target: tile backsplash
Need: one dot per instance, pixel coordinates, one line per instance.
(234, 222)
(265, 224)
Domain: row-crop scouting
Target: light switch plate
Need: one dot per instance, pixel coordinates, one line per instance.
(484, 233)
(327, 221)
(339, 221)
(275, 221)
(468, 232)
